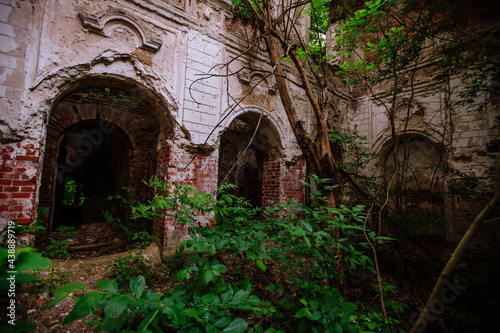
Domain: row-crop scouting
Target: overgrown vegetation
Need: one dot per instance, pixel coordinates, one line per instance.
(290, 267)
(58, 248)
(274, 270)
(16, 268)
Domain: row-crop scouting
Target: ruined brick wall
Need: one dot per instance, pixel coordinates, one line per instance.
(19, 156)
(280, 182)
(154, 51)
(464, 137)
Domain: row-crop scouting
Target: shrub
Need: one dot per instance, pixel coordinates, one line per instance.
(276, 270)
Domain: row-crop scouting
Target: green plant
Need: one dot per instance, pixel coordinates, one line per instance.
(148, 311)
(231, 267)
(16, 267)
(73, 192)
(124, 269)
(58, 248)
(137, 237)
(138, 228)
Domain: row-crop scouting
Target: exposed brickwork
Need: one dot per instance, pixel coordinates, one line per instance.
(281, 182)
(292, 188)
(201, 174)
(271, 187)
(47, 57)
(19, 172)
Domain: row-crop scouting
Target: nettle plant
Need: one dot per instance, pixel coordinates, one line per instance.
(58, 248)
(271, 270)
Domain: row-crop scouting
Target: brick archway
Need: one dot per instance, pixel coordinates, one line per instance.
(105, 111)
(259, 168)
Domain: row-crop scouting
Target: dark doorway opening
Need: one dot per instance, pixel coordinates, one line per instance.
(92, 164)
(243, 153)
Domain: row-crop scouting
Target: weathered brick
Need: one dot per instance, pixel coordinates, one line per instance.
(28, 158)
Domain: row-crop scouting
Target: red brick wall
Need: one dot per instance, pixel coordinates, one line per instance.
(19, 172)
(201, 174)
(271, 176)
(280, 182)
(292, 188)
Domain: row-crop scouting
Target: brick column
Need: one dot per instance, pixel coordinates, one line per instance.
(19, 173)
(200, 174)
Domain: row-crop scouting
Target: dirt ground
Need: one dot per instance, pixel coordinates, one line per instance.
(92, 234)
(34, 299)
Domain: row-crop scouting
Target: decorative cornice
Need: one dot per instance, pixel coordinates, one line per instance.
(97, 24)
(245, 77)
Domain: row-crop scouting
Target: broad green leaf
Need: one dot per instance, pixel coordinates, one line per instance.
(265, 256)
(302, 312)
(236, 326)
(58, 298)
(115, 306)
(114, 325)
(251, 255)
(151, 295)
(261, 265)
(21, 278)
(108, 285)
(32, 261)
(313, 316)
(83, 307)
(227, 296)
(308, 227)
(69, 287)
(195, 313)
(137, 285)
(240, 296)
(218, 269)
(183, 274)
(208, 276)
(174, 312)
(223, 322)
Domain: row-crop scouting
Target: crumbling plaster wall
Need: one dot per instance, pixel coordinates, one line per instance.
(165, 48)
(463, 135)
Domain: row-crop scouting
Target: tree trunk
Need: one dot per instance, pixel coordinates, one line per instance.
(421, 323)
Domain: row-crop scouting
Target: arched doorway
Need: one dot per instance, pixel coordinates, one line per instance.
(105, 133)
(95, 154)
(417, 190)
(243, 155)
(420, 162)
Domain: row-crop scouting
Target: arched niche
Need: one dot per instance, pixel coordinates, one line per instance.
(244, 154)
(408, 115)
(102, 134)
(420, 164)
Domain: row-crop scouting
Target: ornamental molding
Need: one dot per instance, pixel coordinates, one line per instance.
(97, 24)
